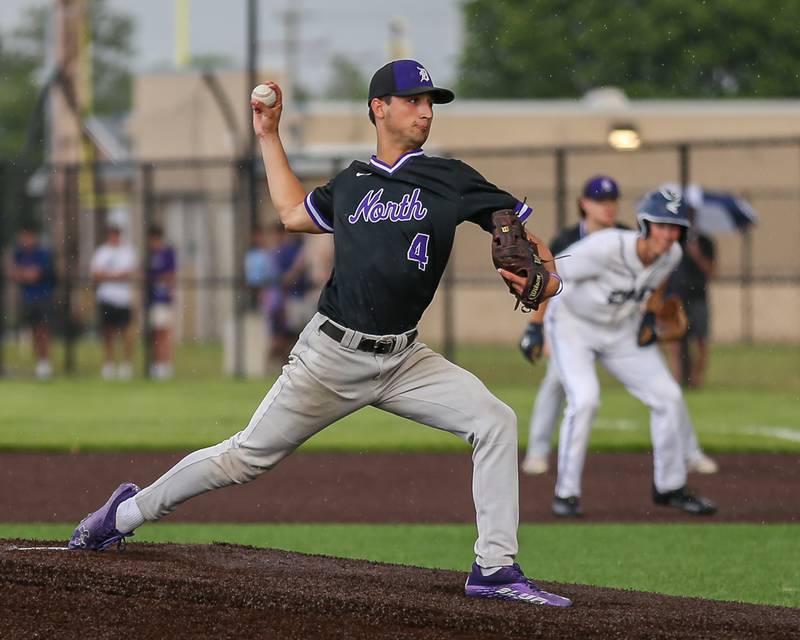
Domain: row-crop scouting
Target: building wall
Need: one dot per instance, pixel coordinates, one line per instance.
(176, 118)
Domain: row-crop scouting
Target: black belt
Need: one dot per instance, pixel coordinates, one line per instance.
(381, 345)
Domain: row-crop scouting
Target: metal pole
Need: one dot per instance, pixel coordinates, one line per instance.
(683, 159)
(242, 171)
(561, 188)
(747, 283)
(3, 224)
(148, 206)
(252, 76)
(684, 171)
(69, 200)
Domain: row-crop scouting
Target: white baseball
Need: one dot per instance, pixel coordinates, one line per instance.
(264, 94)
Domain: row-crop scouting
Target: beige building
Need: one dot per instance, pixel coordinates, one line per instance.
(177, 117)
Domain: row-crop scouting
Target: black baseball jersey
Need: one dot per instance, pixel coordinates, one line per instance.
(571, 235)
(393, 231)
(688, 280)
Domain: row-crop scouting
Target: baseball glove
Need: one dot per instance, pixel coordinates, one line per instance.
(663, 320)
(512, 251)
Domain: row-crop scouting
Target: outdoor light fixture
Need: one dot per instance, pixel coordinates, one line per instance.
(624, 137)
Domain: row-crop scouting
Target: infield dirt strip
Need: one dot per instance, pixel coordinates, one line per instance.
(390, 488)
(227, 591)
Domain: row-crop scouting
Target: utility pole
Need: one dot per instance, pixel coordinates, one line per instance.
(252, 81)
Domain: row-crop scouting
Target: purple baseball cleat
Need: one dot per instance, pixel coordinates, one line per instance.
(509, 583)
(98, 530)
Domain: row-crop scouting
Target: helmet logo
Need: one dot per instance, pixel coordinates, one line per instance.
(673, 198)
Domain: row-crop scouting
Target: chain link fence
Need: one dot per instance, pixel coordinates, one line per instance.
(207, 209)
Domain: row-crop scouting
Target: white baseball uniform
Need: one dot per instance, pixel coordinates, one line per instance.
(597, 318)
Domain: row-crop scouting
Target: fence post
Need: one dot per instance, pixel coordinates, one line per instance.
(747, 282)
(148, 206)
(561, 188)
(3, 225)
(684, 170)
(69, 200)
(240, 179)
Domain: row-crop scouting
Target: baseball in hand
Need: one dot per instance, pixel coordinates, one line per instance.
(264, 94)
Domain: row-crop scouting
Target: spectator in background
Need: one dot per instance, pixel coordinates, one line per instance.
(259, 267)
(113, 268)
(161, 276)
(33, 270)
(285, 294)
(689, 281)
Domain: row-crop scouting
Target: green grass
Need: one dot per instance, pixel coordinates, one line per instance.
(751, 403)
(744, 562)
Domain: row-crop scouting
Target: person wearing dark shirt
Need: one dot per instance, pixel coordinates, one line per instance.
(34, 271)
(689, 281)
(394, 219)
(281, 295)
(161, 278)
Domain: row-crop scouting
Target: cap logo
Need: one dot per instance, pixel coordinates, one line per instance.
(605, 185)
(423, 74)
(673, 198)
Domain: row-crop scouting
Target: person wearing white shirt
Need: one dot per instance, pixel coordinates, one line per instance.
(113, 268)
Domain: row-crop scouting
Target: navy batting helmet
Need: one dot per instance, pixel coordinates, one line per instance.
(665, 205)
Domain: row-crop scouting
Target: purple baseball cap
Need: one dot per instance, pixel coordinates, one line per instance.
(601, 188)
(406, 78)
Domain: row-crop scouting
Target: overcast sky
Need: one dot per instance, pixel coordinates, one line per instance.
(355, 28)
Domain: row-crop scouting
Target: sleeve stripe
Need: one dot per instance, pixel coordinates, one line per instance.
(523, 211)
(316, 216)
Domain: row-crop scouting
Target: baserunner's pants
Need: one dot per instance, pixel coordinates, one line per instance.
(324, 381)
(576, 344)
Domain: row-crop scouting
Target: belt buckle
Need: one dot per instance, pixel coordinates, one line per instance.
(389, 342)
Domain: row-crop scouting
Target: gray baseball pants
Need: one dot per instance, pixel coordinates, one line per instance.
(326, 380)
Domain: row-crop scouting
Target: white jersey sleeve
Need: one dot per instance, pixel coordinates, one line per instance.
(605, 281)
(586, 258)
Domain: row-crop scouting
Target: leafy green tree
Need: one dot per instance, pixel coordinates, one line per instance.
(649, 48)
(17, 100)
(347, 81)
(112, 51)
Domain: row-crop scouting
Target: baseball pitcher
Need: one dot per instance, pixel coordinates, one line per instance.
(393, 219)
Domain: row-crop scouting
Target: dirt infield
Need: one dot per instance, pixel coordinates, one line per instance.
(390, 487)
(226, 591)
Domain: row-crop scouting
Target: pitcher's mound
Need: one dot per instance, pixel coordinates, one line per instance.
(227, 591)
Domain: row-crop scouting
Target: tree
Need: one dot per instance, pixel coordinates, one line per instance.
(347, 80)
(17, 100)
(112, 51)
(649, 48)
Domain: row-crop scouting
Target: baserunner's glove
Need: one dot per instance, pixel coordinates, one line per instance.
(512, 251)
(532, 342)
(647, 329)
(664, 320)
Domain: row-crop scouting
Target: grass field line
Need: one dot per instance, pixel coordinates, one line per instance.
(779, 432)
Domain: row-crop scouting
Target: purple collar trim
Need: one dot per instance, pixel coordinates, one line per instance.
(392, 168)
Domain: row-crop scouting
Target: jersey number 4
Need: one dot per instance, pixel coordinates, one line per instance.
(418, 251)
